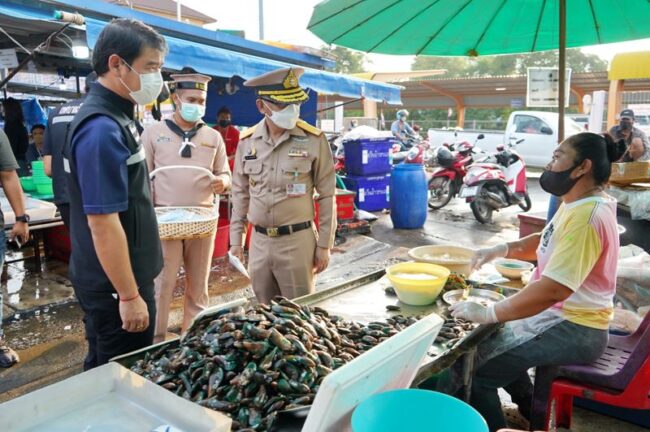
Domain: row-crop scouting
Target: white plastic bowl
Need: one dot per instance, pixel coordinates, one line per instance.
(512, 268)
(454, 258)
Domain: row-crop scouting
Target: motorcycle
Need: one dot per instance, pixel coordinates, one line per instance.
(419, 154)
(446, 181)
(493, 186)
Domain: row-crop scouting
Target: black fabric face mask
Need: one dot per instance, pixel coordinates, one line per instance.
(625, 124)
(224, 123)
(558, 183)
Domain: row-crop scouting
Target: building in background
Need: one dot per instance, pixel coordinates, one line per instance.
(166, 9)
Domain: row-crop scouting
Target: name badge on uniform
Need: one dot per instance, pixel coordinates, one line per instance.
(251, 155)
(296, 189)
(163, 139)
(298, 152)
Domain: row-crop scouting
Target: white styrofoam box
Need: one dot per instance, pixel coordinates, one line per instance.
(390, 365)
(36, 209)
(108, 398)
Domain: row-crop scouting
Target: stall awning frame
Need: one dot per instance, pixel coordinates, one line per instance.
(217, 61)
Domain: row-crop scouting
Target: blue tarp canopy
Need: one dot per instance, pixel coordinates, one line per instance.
(234, 61)
(216, 61)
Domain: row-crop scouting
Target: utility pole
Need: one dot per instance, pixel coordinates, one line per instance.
(178, 10)
(261, 18)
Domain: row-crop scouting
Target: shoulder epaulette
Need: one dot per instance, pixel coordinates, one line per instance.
(309, 128)
(246, 133)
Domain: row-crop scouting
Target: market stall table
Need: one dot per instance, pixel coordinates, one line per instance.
(363, 299)
(43, 216)
(37, 231)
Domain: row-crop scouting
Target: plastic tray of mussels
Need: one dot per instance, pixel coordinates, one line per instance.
(257, 362)
(350, 300)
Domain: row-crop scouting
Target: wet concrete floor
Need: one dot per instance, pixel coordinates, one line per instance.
(43, 320)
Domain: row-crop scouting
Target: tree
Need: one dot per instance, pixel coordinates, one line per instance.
(575, 59)
(455, 66)
(508, 64)
(347, 60)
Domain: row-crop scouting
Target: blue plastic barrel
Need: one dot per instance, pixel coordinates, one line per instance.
(415, 410)
(408, 196)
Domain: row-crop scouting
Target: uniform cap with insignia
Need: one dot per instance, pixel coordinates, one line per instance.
(193, 81)
(280, 86)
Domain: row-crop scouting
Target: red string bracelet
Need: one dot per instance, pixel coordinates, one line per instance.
(129, 299)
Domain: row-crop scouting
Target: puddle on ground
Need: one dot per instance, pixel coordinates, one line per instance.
(27, 290)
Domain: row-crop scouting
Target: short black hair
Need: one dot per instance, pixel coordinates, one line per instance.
(38, 126)
(13, 111)
(223, 110)
(127, 38)
(600, 149)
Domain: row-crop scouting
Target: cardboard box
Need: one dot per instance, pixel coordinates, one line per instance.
(630, 172)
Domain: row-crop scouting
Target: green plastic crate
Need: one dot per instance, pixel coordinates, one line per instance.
(28, 184)
(44, 189)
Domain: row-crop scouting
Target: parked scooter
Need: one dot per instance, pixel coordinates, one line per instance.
(447, 180)
(419, 153)
(493, 186)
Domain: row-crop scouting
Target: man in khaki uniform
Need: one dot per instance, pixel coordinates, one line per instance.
(279, 165)
(186, 141)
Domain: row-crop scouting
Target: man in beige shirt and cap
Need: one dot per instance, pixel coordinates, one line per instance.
(279, 165)
(185, 141)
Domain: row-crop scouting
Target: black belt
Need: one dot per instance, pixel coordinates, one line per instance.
(283, 230)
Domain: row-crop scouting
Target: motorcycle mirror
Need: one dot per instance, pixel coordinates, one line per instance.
(480, 137)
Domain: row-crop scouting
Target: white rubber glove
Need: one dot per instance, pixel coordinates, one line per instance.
(475, 312)
(486, 255)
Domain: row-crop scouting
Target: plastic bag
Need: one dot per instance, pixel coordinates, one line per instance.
(366, 132)
(633, 277)
(639, 204)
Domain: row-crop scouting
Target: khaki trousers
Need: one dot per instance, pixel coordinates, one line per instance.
(196, 256)
(282, 265)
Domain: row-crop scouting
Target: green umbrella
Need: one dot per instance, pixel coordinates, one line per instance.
(479, 27)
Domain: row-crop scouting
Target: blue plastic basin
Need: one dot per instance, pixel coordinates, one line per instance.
(416, 410)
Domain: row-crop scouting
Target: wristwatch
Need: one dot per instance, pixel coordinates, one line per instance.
(23, 218)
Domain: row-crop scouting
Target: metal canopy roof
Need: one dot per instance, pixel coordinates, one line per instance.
(482, 92)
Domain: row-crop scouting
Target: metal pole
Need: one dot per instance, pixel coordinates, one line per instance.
(31, 56)
(261, 18)
(76, 75)
(562, 72)
(178, 10)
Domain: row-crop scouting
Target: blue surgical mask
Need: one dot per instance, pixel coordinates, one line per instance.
(192, 112)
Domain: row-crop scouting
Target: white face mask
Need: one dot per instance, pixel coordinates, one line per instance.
(287, 117)
(150, 86)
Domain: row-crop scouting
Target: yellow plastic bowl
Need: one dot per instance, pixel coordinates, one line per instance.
(417, 292)
(455, 258)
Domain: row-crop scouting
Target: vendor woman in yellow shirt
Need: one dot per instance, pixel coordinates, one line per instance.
(562, 316)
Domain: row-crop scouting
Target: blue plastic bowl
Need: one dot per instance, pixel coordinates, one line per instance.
(416, 410)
